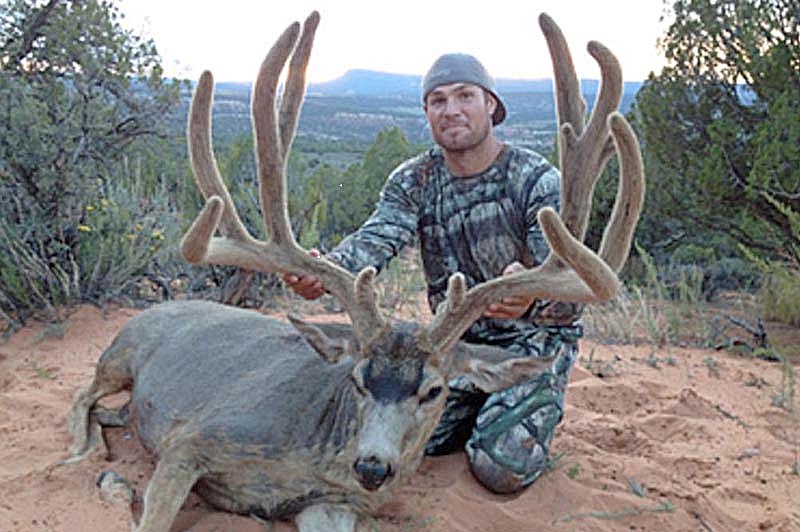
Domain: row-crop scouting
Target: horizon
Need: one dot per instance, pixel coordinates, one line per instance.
(388, 73)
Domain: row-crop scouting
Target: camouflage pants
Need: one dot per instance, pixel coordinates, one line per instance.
(507, 434)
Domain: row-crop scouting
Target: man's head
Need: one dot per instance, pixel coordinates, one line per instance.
(460, 102)
(462, 68)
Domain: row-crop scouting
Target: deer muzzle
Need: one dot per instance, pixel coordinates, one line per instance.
(372, 472)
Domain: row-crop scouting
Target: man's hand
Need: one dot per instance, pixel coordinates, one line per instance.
(509, 307)
(307, 286)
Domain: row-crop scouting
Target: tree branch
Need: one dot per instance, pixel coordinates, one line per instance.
(32, 32)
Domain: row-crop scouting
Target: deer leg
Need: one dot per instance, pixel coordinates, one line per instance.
(175, 474)
(85, 428)
(86, 433)
(111, 417)
(111, 376)
(326, 518)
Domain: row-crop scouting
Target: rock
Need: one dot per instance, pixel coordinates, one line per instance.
(114, 488)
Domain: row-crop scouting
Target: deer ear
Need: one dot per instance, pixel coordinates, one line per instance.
(329, 348)
(492, 369)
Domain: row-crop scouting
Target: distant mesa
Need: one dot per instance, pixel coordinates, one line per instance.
(359, 82)
(375, 83)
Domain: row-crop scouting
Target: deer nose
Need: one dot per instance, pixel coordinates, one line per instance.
(372, 472)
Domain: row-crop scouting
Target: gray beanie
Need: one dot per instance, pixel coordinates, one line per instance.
(462, 68)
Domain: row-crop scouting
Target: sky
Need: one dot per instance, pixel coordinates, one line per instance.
(231, 37)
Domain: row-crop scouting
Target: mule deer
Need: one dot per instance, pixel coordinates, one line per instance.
(321, 422)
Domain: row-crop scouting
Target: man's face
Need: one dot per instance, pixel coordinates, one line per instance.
(460, 115)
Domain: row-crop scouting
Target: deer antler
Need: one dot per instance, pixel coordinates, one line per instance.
(273, 139)
(572, 272)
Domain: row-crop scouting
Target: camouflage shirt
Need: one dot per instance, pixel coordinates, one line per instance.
(476, 225)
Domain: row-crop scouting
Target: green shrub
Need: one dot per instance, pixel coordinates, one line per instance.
(707, 270)
(779, 295)
(665, 307)
(122, 235)
(31, 277)
(117, 232)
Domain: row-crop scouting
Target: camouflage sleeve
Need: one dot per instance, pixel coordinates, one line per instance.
(391, 226)
(546, 193)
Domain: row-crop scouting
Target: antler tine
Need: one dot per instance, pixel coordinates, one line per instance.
(270, 153)
(294, 90)
(618, 234)
(572, 272)
(608, 97)
(570, 105)
(201, 155)
(280, 253)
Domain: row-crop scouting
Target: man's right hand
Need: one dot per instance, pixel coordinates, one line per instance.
(307, 286)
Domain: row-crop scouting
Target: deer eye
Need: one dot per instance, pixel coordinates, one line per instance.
(433, 393)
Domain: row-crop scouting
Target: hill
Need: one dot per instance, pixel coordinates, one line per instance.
(373, 83)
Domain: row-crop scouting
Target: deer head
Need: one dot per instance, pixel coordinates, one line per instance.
(401, 370)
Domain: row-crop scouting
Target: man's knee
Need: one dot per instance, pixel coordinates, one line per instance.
(510, 442)
(502, 477)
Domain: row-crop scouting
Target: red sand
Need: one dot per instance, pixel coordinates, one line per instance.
(696, 434)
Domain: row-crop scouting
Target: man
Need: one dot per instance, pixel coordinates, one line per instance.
(472, 202)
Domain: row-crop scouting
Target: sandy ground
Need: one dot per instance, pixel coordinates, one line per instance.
(654, 439)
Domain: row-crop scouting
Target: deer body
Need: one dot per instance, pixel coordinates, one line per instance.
(238, 371)
(261, 422)
(320, 422)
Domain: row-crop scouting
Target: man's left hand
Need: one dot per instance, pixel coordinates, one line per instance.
(509, 307)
